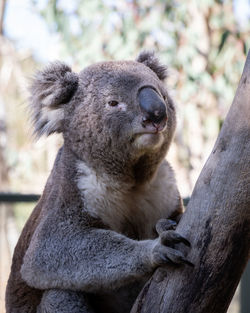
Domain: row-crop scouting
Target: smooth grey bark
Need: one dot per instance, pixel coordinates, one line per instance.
(217, 223)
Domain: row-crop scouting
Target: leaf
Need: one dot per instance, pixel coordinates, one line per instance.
(223, 39)
(244, 48)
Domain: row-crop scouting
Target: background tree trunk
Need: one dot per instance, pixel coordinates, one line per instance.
(2, 11)
(217, 223)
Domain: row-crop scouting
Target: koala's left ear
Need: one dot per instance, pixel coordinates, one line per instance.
(149, 59)
(51, 89)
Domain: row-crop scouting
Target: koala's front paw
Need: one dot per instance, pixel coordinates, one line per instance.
(166, 230)
(163, 251)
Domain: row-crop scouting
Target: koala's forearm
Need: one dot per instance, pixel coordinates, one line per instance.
(97, 260)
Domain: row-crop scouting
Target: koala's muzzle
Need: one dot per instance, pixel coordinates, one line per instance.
(152, 106)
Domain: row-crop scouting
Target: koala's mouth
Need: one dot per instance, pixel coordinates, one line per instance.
(149, 127)
(149, 136)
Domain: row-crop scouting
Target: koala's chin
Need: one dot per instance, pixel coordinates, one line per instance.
(149, 141)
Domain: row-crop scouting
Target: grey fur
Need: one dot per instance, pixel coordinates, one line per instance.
(91, 242)
(51, 89)
(149, 59)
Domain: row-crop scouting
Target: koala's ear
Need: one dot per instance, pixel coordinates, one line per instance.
(50, 90)
(149, 59)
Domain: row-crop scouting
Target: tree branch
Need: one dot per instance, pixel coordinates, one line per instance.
(216, 222)
(2, 11)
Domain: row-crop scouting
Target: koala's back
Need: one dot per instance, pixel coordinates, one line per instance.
(20, 298)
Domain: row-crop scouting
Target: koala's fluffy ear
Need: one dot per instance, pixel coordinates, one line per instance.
(149, 59)
(50, 90)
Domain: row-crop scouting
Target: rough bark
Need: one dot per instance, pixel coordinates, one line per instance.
(217, 223)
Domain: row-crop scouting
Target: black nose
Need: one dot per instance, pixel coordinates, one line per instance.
(152, 105)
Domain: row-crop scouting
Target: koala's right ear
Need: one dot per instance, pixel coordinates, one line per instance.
(50, 90)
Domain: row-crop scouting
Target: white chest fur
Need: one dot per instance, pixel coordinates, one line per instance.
(123, 209)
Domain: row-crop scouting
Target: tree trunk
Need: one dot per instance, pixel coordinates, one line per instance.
(217, 223)
(2, 11)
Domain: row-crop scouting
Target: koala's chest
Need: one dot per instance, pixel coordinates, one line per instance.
(131, 213)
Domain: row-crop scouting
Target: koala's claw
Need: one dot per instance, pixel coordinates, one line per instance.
(170, 237)
(165, 224)
(164, 251)
(163, 255)
(188, 263)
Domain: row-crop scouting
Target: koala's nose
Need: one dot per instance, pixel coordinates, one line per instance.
(152, 106)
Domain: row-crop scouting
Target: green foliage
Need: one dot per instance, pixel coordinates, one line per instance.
(201, 42)
(195, 37)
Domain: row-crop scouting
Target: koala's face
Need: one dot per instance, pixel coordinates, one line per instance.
(120, 107)
(111, 110)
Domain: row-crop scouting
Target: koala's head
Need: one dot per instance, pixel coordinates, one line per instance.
(111, 113)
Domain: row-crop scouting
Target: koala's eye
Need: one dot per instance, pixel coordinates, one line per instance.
(113, 103)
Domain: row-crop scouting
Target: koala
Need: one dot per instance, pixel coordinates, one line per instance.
(106, 218)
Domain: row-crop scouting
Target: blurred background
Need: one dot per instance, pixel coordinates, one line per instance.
(203, 42)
